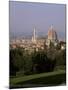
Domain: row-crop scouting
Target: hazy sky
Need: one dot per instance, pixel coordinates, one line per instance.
(23, 17)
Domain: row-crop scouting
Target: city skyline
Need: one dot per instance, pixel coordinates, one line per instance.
(23, 17)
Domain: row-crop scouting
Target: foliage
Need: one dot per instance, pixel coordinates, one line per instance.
(20, 60)
(16, 60)
(61, 58)
(42, 61)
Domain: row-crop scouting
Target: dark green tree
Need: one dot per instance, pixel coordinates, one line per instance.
(41, 63)
(16, 60)
(61, 57)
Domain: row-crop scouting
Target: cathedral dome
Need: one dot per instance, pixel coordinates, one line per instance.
(52, 35)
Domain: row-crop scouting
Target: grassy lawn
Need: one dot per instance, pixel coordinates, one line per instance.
(42, 79)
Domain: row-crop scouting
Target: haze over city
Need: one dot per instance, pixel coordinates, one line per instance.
(23, 17)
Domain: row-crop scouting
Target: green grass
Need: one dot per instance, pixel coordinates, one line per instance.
(50, 78)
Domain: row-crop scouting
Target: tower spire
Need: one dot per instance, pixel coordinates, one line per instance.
(34, 36)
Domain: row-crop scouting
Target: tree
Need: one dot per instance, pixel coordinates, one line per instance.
(20, 61)
(16, 60)
(41, 63)
(27, 63)
(61, 58)
(13, 68)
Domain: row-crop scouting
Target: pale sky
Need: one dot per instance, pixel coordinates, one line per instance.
(24, 16)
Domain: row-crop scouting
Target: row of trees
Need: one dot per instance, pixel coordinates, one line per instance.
(37, 62)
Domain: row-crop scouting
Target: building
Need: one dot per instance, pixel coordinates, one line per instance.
(34, 36)
(62, 45)
(51, 37)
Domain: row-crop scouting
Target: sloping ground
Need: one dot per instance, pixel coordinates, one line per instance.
(43, 79)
